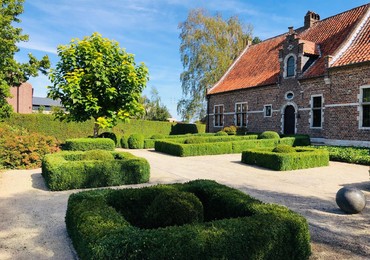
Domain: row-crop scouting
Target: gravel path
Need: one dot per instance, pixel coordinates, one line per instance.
(32, 218)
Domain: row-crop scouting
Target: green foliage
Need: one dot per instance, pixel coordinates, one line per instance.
(269, 135)
(171, 208)
(221, 133)
(109, 135)
(220, 144)
(76, 170)
(230, 130)
(282, 148)
(154, 110)
(13, 73)
(209, 45)
(182, 128)
(20, 149)
(102, 155)
(45, 124)
(303, 158)
(136, 141)
(85, 144)
(358, 155)
(95, 78)
(109, 224)
(157, 136)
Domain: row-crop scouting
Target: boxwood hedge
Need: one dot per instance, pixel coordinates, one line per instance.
(97, 168)
(223, 144)
(114, 224)
(301, 158)
(85, 144)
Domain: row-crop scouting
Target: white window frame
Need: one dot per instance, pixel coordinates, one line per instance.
(286, 65)
(312, 111)
(242, 112)
(361, 106)
(219, 117)
(265, 110)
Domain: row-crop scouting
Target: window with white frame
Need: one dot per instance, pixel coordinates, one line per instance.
(241, 114)
(267, 111)
(316, 111)
(219, 115)
(365, 106)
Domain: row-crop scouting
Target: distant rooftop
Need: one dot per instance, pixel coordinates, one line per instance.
(42, 101)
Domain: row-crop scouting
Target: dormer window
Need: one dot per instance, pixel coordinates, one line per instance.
(290, 67)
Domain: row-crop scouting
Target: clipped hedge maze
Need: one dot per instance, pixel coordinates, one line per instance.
(301, 158)
(197, 220)
(95, 168)
(86, 144)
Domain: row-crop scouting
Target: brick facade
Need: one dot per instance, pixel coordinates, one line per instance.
(320, 95)
(21, 99)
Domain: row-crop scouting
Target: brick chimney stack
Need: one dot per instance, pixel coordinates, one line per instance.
(310, 19)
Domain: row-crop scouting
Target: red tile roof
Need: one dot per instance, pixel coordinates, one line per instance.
(259, 65)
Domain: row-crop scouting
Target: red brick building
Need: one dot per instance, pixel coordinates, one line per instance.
(313, 80)
(21, 99)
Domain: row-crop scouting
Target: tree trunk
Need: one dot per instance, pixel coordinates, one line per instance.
(96, 129)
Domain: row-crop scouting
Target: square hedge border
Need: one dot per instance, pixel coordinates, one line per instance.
(226, 146)
(69, 170)
(236, 226)
(303, 158)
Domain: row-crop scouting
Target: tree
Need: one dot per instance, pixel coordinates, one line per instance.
(208, 47)
(13, 73)
(154, 110)
(95, 78)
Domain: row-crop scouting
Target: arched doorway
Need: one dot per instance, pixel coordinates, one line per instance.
(289, 120)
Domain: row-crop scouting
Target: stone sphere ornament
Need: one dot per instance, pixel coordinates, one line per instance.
(350, 200)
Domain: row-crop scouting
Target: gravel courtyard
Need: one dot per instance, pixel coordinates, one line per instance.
(32, 218)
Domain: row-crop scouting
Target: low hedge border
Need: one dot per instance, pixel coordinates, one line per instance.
(224, 147)
(71, 170)
(235, 226)
(357, 155)
(302, 158)
(86, 144)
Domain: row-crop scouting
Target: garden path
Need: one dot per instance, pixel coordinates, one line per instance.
(32, 218)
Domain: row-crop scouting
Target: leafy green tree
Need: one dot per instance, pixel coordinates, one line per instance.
(209, 44)
(13, 73)
(95, 78)
(154, 110)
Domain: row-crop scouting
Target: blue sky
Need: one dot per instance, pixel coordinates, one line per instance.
(149, 29)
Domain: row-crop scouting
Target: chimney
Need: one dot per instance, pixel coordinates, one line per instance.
(310, 19)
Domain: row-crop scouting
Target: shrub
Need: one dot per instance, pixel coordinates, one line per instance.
(241, 131)
(358, 155)
(221, 133)
(302, 159)
(102, 155)
(269, 135)
(230, 130)
(21, 149)
(282, 148)
(110, 135)
(74, 170)
(194, 140)
(171, 208)
(85, 144)
(183, 128)
(124, 141)
(157, 136)
(235, 226)
(136, 141)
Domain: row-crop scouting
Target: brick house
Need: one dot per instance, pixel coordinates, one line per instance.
(21, 99)
(314, 80)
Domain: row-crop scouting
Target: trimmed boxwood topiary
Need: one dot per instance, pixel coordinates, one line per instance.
(75, 170)
(221, 133)
(269, 135)
(110, 224)
(135, 141)
(303, 158)
(109, 135)
(85, 144)
(282, 148)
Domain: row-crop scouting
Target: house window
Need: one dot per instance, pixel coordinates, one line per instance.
(268, 111)
(219, 115)
(365, 107)
(290, 67)
(316, 111)
(241, 114)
